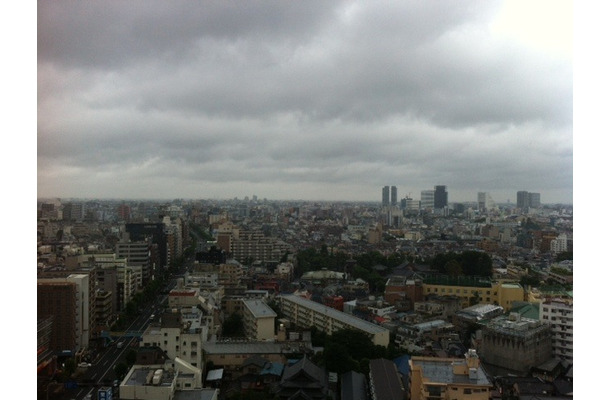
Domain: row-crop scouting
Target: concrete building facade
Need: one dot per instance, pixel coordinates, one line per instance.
(306, 313)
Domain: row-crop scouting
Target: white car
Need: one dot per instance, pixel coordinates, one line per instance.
(84, 365)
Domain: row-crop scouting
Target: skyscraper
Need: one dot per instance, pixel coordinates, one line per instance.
(394, 198)
(522, 199)
(427, 199)
(441, 196)
(534, 200)
(528, 199)
(385, 196)
(485, 202)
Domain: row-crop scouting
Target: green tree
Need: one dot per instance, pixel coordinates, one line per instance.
(233, 326)
(453, 268)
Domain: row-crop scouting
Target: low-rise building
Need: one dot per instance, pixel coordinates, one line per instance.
(515, 344)
(475, 290)
(231, 355)
(449, 379)
(385, 381)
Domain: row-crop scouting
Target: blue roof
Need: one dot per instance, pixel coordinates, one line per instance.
(402, 364)
(273, 368)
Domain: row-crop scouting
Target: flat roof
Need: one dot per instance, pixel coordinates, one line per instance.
(441, 371)
(251, 347)
(138, 377)
(336, 314)
(259, 308)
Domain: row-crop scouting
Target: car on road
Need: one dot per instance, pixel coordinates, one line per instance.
(119, 345)
(84, 365)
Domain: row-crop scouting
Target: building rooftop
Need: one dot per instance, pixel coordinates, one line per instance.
(252, 347)
(385, 379)
(441, 371)
(259, 308)
(338, 315)
(144, 376)
(468, 281)
(197, 394)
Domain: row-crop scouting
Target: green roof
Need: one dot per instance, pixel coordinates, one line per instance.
(470, 281)
(526, 309)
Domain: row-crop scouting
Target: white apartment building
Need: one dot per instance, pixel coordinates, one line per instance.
(559, 244)
(181, 333)
(559, 314)
(306, 313)
(137, 255)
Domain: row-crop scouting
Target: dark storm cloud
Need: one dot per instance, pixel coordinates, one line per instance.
(358, 94)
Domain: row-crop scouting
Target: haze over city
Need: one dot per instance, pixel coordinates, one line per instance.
(304, 100)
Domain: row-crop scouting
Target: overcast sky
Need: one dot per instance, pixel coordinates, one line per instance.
(311, 100)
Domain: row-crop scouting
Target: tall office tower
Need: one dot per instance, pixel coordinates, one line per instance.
(534, 200)
(485, 202)
(427, 199)
(522, 199)
(441, 196)
(385, 196)
(394, 198)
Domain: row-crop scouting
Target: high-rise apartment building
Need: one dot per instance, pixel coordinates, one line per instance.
(534, 200)
(73, 212)
(527, 200)
(385, 196)
(58, 298)
(558, 313)
(441, 197)
(137, 255)
(394, 196)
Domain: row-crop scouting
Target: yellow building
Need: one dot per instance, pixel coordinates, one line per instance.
(448, 378)
(474, 290)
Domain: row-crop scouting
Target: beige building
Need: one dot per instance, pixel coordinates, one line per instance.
(306, 313)
(472, 290)
(259, 320)
(449, 378)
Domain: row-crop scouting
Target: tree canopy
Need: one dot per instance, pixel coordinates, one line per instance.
(349, 349)
(471, 263)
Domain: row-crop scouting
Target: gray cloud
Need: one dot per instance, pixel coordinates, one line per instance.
(296, 100)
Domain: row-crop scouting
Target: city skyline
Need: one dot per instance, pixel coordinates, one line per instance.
(304, 101)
